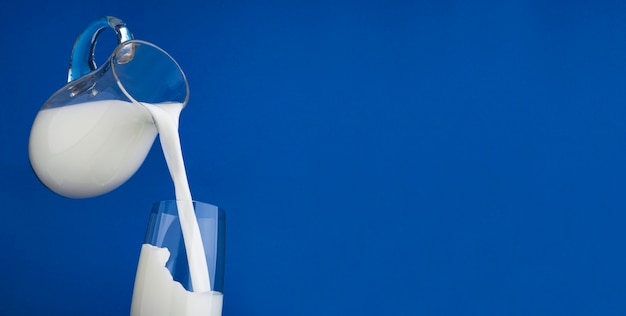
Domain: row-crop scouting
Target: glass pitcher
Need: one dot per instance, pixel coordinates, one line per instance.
(95, 132)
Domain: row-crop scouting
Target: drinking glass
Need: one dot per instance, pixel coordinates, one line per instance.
(163, 284)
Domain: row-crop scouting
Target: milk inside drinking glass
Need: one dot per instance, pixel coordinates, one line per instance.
(94, 133)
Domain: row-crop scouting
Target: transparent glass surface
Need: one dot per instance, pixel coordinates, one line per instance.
(164, 232)
(137, 71)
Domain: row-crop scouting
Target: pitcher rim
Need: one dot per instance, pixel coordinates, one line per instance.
(118, 80)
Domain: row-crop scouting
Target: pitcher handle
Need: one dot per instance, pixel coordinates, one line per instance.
(82, 60)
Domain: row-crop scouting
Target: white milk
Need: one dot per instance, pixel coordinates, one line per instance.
(81, 150)
(157, 294)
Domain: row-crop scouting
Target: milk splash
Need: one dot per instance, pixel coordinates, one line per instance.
(157, 294)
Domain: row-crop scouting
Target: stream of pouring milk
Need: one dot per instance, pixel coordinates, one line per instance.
(166, 119)
(156, 293)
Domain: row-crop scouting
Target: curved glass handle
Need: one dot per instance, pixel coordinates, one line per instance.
(82, 61)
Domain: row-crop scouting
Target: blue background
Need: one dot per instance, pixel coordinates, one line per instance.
(373, 157)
